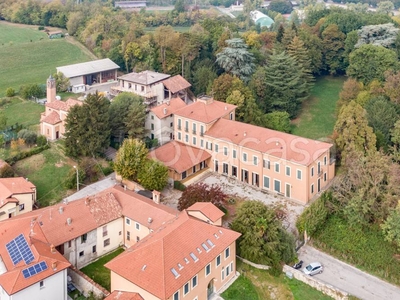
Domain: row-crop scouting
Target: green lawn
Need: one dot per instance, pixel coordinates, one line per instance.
(47, 171)
(318, 117)
(29, 56)
(98, 272)
(255, 284)
(22, 112)
(362, 247)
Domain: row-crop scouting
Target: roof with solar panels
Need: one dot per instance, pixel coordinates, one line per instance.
(26, 257)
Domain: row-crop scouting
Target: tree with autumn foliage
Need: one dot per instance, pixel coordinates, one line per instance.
(202, 192)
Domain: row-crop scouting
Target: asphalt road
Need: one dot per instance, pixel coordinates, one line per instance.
(348, 278)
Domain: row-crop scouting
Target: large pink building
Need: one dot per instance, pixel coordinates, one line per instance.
(295, 167)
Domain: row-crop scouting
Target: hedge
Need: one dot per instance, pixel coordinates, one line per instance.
(21, 155)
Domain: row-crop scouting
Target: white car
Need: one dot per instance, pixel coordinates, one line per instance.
(313, 268)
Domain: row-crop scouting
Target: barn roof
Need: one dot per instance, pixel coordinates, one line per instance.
(89, 67)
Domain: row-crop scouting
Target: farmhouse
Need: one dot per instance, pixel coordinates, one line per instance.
(55, 34)
(88, 73)
(130, 4)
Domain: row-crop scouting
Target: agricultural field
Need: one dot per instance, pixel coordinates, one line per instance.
(28, 56)
(318, 114)
(23, 112)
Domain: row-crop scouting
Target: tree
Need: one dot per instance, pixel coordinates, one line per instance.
(391, 227)
(10, 92)
(3, 120)
(153, 175)
(261, 234)
(31, 91)
(380, 35)
(314, 216)
(370, 62)
(353, 132)
(392, 86)
(278, 120)
(349, 45)
(314, 47)
(285, 86)
(333, 42)
(130, 159)
(221, 87)
(281, 6)
(28, 136)
(385, 7)
(203, 77)
(6, 171)
(179, 6)
(350, 90)
(236, 59)
(202, 192)
(62, 82)
(135, 119)
(87, 129)
(297, 50)
(257, 85)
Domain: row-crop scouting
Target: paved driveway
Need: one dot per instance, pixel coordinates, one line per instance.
(348, 278)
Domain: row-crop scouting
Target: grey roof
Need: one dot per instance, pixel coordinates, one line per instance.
(145, 77)
(89, 67)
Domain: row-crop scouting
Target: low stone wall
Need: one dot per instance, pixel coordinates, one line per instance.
(325, 288)
(86, 284)
(257, 266)
(130, 185)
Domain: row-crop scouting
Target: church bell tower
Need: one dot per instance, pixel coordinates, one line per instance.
(51, 89)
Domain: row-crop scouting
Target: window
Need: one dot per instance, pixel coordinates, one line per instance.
(312, 188)
(205, 247)
(187, 126)
(194, 140)
(128, 235)
(128, 221)
(106, 242)
(175, 272)
(244, 157)
(105, 232)
(194, 281)
(179, 136)
(202, 143)
(312, 171)
(231, 116)
(255, 160)
(194, 169)
(287, 171)
(222, 274)
(299, 174)
(120, 233)
(83, 238)
(319, 168)
(277, 167)
(69, 244)
(277, 186)
(135, 87)
(184, 174)
(225, 151)
(218, 260)
(324, 160)
(225, 168)
(41, 284)
(21, 207)
(152, 117)
(176, 296)
(324, 176)
(137, 226)
(137, 239)
(179, 124)
(216, 166)
(208, 269)
(142, 88)
(234, 153)
(194, 128)
(201, 130)
(227, 271)
(171, 124)
(266, 182)
(94, 249)
(186, 138)
(234, 171)
(216, 148)
(193, 256)
(186, 288)
(227, 252)
(266, 164)
(82, 253)
(152, 126)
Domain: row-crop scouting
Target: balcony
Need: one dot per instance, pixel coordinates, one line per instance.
(186, 129)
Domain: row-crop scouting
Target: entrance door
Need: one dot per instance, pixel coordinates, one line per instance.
(319, 185)
(288, 190)
(245, 176)
(57, 134)
(210, 288)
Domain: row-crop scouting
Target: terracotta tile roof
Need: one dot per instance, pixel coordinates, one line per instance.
(52, 118)
(85, 214)
(164, 110)
(63, 105)
(13, 280)
(140, 208)
(208, 209)
(206, 113)
(176, 83)
(286, 146)
(8, 200)
(120, 295)
(15, 185)
(178, 156)
(149, 262)
(145, 77)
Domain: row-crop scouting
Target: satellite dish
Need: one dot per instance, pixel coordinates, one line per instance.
(58, 98)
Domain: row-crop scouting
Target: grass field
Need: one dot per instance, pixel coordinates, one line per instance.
(98, 272)
(22, 112)
(317, 117)
(27, 56)
(255, 284)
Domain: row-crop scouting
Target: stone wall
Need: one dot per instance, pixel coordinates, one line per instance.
(257, 266)
(325, 288)
(85, 284)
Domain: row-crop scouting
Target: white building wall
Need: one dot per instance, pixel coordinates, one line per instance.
(113, 234)
(72, 254)
(76, 80)
(55, 287)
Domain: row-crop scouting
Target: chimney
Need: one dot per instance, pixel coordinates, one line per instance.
(65, 201)
(69, 221)
(245, 133)
(226, 108)
(52, 249)
(61, 210)
(156, 196)
(54, 265)
(149, 220)
(165, 110)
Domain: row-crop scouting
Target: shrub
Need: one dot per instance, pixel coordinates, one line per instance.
(41, 141)
(6, 171)
(31, 90)
(201, 192)
(10, 92)
(28, 136)
(70, 181)
(91, 169)
(41, 28)
(21, 155)
(179, 186)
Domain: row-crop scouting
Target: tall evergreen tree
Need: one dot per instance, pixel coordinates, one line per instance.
(333, 41)
(297, 50)
(135, 119)
(87, 127)
(285, 86)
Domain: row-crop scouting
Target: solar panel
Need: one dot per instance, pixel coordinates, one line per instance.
(18, 249)
(35, 269)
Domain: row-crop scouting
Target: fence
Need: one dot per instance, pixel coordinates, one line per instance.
(86, 285)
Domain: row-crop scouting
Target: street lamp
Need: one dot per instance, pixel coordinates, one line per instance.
(77, 178)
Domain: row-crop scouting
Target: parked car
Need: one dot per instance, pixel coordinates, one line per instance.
(313, 268)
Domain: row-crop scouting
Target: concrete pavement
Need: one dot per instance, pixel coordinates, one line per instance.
(349, 278)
